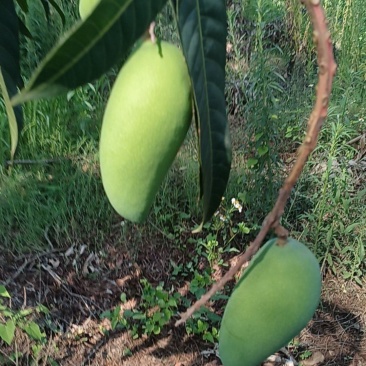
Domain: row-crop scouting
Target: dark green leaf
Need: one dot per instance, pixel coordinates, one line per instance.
(128, 313)
(23, 5)
(9, 52)
(92, 47)
(46, 7)
(202, 27)
(24, 30)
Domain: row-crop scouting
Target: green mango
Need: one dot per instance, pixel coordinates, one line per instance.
(146, 120)
(86, 7)
(272, 302)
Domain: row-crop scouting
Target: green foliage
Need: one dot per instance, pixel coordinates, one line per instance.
(156, 308)
(159, 306)
(256, 90)
(11, 319)
(306, 354)
(204, 324)
(334, 224)
(57, 189)
(348, 29)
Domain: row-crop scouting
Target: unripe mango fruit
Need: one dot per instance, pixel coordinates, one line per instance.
(86, 7)
(145, 122)
(272, 302)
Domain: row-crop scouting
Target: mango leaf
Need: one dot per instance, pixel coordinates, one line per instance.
(92, 47)
(23, 5)
(24, 30)
(46, 7)
(10, 52)
(59, 11)
(202, 28)
(7, 331)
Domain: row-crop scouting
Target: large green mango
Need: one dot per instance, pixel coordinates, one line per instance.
(86, 7)
(273, 301)
(145, 122)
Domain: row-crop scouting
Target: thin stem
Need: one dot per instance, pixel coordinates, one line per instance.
(327, 69)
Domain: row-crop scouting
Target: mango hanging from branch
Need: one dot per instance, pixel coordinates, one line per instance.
(273, 301)
(146, 120)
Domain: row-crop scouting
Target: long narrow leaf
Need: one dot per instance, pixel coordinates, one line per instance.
(92, 47)
(11, 116)
(202, 26)
(10, 52)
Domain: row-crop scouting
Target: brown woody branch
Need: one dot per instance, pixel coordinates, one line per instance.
(327, 69)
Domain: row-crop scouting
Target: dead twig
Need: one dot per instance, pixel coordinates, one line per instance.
(33, 162)
(27, 261)
(356, 139)
(327, 69)
(62, 284)
(94, 350)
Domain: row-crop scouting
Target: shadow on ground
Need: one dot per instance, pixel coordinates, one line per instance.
(77, 285)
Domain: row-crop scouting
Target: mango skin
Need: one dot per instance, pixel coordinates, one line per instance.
(146, 120)
(86, 7)
(273, 301)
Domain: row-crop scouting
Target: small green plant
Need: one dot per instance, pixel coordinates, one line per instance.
(155, 310)
(226, 226)
(200, 283)
(205, 324)
(212, 249)
(115, 318)
(11, 319)
(334, 224)
(306, 354)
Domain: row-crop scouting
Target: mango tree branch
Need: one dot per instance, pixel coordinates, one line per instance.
(327, 69)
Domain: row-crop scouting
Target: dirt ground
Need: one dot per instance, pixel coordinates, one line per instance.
(60, 279)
